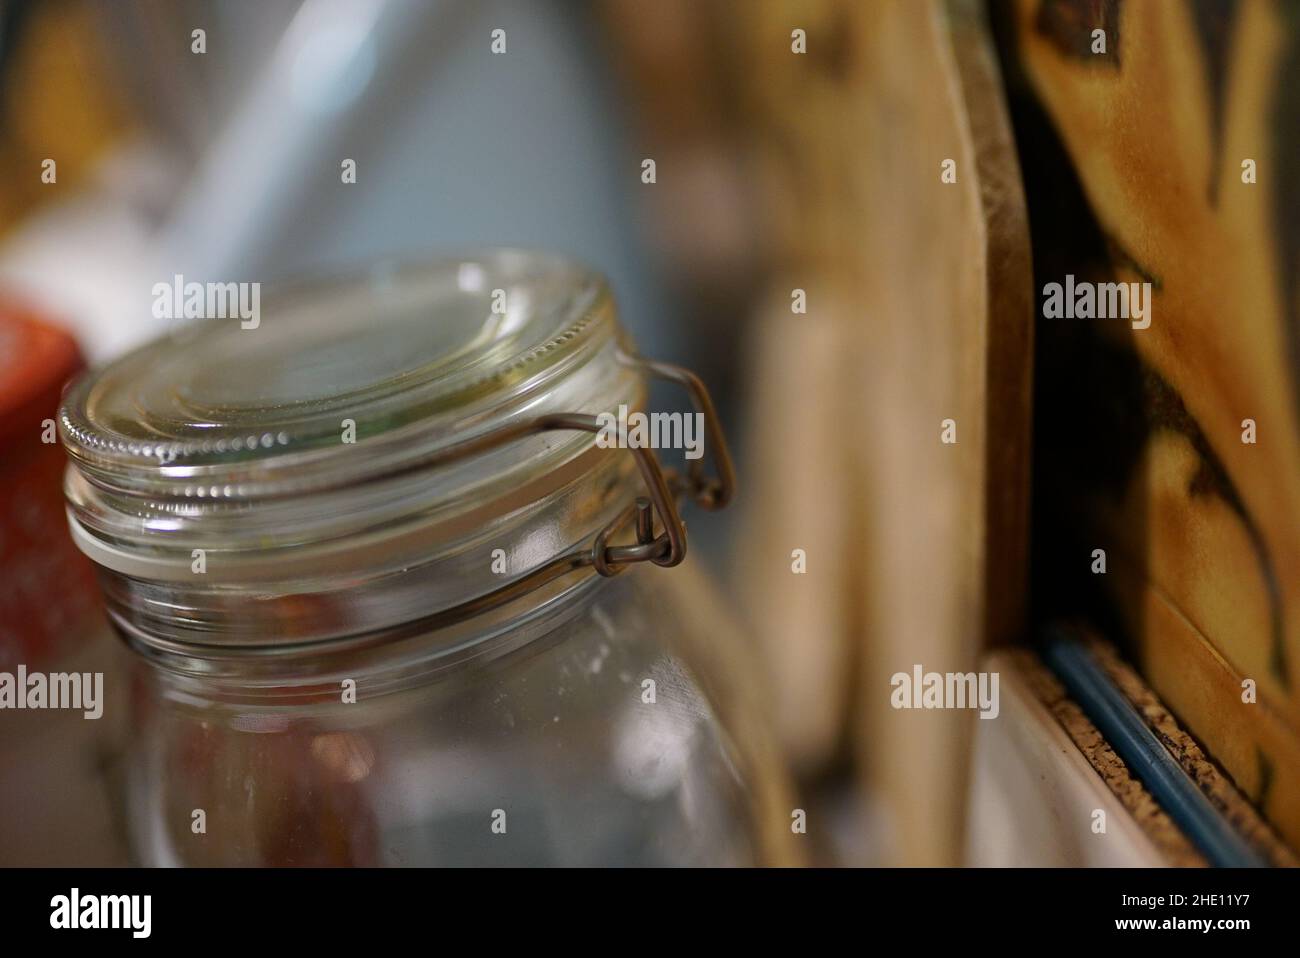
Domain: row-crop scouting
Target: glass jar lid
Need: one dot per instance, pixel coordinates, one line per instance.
(323, 422)
(375, 434)
(399, 359)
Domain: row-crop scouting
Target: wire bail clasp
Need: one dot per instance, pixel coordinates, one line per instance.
(657, 508)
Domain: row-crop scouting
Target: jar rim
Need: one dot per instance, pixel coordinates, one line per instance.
(318, 393)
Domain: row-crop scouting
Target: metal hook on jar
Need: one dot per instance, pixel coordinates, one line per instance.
(611, 560)
(710, 493)
(669, 548)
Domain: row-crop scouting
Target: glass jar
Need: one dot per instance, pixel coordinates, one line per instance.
(371, 555)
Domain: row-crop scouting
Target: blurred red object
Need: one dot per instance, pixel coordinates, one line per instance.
(47, 587)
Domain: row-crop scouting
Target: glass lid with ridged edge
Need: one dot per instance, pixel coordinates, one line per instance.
(405, 357)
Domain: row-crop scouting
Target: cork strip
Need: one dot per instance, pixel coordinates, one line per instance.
(1173, 845)
(1208, 776)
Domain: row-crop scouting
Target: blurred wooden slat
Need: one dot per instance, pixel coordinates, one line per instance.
(947, 327)
(926, 288)
(801, 497)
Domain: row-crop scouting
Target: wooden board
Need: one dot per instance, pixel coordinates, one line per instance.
(1133, 165)
(945, 333)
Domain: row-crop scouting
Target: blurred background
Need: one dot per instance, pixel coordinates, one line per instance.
(821, 206)
(787, 138)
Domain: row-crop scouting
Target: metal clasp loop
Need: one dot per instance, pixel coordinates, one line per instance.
(656, 509)
(708, 492)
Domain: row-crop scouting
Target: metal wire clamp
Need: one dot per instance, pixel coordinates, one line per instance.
(658, 509)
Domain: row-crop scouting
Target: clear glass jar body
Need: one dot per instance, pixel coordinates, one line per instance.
(586, 734)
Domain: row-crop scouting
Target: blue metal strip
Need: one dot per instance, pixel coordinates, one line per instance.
(1148, 760)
